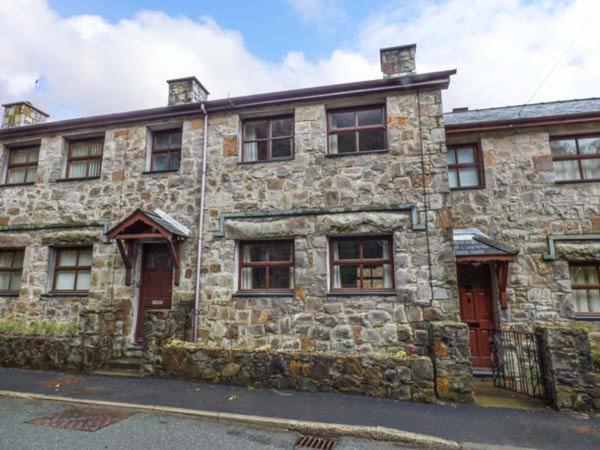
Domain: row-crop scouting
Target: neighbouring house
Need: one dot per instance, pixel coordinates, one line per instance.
(349, 220)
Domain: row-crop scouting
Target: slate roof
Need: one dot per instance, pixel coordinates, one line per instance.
(532, 111)
(472, 242)
(170, 227)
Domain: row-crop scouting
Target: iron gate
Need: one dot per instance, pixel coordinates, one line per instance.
(517, 363)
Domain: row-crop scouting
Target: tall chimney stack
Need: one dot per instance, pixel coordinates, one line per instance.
(19, 114)
(186, 90)
(398, 61)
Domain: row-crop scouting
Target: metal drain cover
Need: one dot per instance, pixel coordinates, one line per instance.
(320, 443)
(82, 419)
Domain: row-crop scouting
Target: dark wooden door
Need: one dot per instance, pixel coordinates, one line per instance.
(476, 311)
(157, 282)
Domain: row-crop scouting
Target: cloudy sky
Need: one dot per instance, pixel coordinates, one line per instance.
(101, 56)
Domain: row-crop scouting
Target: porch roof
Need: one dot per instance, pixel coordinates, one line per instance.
(471, 243)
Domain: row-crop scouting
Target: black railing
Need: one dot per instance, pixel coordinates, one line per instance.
(517, 362)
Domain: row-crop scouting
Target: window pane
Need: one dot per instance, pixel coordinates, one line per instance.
(254, 252)
(30, 174)
(83, 281)
(465, 155)
(371, 140)
(281, 127)
(468, 177)
(373, 276)
(162, 140)
(67, 258)
(452, 179)
(15, 283)
(451, 156)
(584, 274)
(341, 119)
(65, 280)
(16, 176)
(370, 117)
(375, 248)
(160, 161)
(346, 249)
(174, 160)
(563, 147)
(175, 139)
(281, 148)
(349, 276)
(94, 170)
(85, 257)
(280, 278)
(280, 251)
(17, 259)
(587, 300)
(566, 170)
(256, 130)
(589, 146)
(95, 148)
(5, 281)
(6, 259)
(79, 149)
(258, 278)
(77, 169)
(342, 142)
(591, 168)
(250, 152)
(20, 156)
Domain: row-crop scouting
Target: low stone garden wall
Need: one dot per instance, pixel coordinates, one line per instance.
(41, 352)
(404, 379)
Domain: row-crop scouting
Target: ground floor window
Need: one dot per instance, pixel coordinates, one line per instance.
(266, 266)
(72, 269)
(362, 263)
(585, 282)
(11, 270)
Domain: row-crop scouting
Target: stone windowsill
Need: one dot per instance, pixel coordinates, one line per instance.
(151, 172)
(362, 294)
(9, 294)
(591, 180)
(53, 294)
(587, 316)
(31, 183)
(246, 163)
(62, 180)
(263, 294)
(370, 152)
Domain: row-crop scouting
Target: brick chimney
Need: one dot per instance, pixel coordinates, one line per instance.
(19, 114)
(186, 90)
(398, 61)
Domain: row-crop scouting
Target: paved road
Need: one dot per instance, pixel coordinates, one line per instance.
(464, 423)
(142, 431)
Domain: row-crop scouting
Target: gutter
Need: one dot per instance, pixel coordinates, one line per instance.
(200, 227)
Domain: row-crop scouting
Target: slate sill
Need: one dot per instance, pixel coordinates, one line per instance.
(263, 294)
(65, 294)
(341, 155)
(63, 180)
(362, 294)
(9, 185)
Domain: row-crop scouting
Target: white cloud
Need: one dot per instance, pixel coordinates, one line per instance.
(324, 13)
(502, 49)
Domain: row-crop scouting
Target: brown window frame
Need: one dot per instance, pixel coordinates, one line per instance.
(88, 159)
(477, 164)
(361, 262)
(578, 157)
(12, 165)
(357, 128)
(11, 268)
(76, 268)
(169, 150)
(266, 264)
(269, 139)
(585, 287)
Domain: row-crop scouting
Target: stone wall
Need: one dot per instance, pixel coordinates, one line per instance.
(567, 360)
(520, 206)
(160, 327)
(41, 352)
(373, 375)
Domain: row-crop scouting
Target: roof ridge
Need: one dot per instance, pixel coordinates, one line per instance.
(523, 105)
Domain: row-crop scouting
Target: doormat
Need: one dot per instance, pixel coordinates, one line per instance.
(82, 419)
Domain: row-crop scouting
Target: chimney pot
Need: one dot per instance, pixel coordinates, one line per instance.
(186, 90)
(398, 61)
(19, 114)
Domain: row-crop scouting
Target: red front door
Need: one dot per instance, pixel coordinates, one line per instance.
(477, 311)
(157, 280)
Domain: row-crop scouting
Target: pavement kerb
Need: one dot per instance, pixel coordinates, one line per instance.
(306, 427)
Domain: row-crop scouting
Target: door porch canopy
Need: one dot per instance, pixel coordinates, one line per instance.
(472, 246)
(146, 225)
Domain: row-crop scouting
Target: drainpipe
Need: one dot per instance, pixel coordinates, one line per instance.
(200, 227)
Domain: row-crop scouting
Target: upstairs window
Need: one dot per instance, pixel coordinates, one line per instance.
(22, 165)
(356, 130)
(166, 150)
(362, 264)
(72, 269)
(267, 266)
(465, 167)
(11, 270)
(576, 158)
(85, 158)
(585, 282)
(268, 139)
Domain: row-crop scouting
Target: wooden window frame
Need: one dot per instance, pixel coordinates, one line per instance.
(11, 165)
(76, 268)
(578, 157)
(169, 150)
(88, 159)
(477, 164)
(269, 139)
(362, 262)
(267, 264)
(357, 129)
(12, 269)
(585, 287)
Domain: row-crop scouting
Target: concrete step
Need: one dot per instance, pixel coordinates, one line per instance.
(133, 351)
(124, 364)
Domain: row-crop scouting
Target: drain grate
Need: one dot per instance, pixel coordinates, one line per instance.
(82, 419)
(320, 443)
(61, 381)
